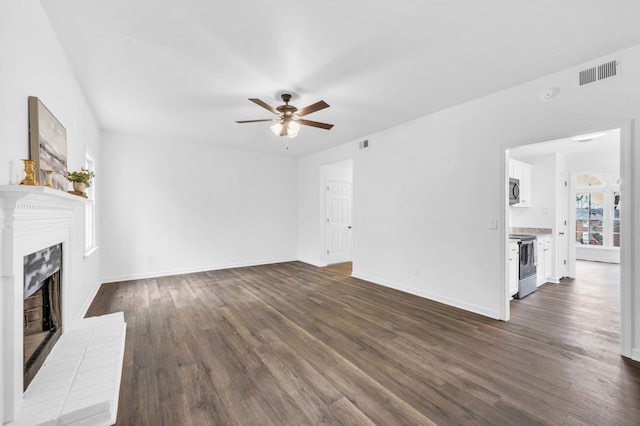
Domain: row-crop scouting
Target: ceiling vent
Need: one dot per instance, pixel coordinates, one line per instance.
(598, 72)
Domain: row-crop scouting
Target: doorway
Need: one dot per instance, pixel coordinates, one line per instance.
(338, 214)
(557, 213)
(338, 228)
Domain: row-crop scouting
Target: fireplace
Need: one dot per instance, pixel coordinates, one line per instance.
(42, 309)
(79, 381)
(34, 218)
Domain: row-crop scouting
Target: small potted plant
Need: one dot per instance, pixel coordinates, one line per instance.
(81, 179)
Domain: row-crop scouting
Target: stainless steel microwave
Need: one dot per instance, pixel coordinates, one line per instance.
(514, 191)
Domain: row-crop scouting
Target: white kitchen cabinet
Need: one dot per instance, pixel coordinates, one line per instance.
(541, 267)
(548, 258)
(545, 267)
(514, 267)
(522, 172)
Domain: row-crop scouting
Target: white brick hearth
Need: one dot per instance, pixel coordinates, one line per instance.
(79, 382)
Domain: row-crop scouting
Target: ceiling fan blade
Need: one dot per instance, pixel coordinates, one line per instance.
(315, 124)
(265, 105)
(257, 121)
(312, 108)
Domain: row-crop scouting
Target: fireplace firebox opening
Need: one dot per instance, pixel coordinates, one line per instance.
(42, 307)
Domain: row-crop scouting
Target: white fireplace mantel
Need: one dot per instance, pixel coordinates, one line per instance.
(33, 209)
(39, 197)
(34, 217)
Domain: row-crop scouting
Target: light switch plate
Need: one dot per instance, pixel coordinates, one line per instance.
(493, 223)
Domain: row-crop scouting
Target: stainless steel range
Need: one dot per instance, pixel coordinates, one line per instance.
(528, 261)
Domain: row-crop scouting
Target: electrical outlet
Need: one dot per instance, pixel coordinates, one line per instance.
(493, 223)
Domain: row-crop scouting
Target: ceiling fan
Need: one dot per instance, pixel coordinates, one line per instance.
(288, 120)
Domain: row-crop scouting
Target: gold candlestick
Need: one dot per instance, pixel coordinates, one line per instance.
(30, 171)
(48, 178)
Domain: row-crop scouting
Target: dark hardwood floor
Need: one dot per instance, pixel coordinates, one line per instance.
(293, 344)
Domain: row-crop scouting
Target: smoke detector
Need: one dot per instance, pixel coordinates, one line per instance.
(549, 93)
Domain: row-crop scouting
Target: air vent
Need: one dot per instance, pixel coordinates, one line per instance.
(588, 76)
(598, 72)
(364, 144)
(610, 69)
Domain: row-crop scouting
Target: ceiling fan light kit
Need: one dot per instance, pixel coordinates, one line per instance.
(286, 128)
(289, 121)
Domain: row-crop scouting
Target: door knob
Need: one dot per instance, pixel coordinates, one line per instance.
(561, 233)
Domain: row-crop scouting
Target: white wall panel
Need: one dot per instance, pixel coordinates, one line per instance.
(173, 206)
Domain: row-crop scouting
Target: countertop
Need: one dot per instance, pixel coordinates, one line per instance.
(538, 232)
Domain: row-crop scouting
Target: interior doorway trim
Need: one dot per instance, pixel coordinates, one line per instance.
(626, 238)
(626, 242)
(336, 224)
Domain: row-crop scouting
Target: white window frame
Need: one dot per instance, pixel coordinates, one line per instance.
(90, 243)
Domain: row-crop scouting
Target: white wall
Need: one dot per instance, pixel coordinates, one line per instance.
(423, 196)
(608, 160)
(171, 207)
(341, 171)
(32, 63)
(425, 191)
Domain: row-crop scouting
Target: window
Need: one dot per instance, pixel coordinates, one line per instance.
(589, 218)
(89, 211)
(589, 180)
(616, 219)
(597, 210)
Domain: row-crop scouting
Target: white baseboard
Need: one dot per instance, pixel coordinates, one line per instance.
(437, 298)
(593, 254)
(168, 272)
(635, 354)
(313, 262)
(88, 302)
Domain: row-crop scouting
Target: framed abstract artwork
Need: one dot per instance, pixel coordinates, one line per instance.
(47, 144)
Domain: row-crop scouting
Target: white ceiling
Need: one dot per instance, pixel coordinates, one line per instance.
(183, 70)
(599, 142)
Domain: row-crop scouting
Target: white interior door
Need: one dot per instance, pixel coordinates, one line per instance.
(563, 259)
(338, 222)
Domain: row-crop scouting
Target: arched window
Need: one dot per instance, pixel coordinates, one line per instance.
(589, 181)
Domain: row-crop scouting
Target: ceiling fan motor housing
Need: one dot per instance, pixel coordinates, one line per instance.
(287, 110)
